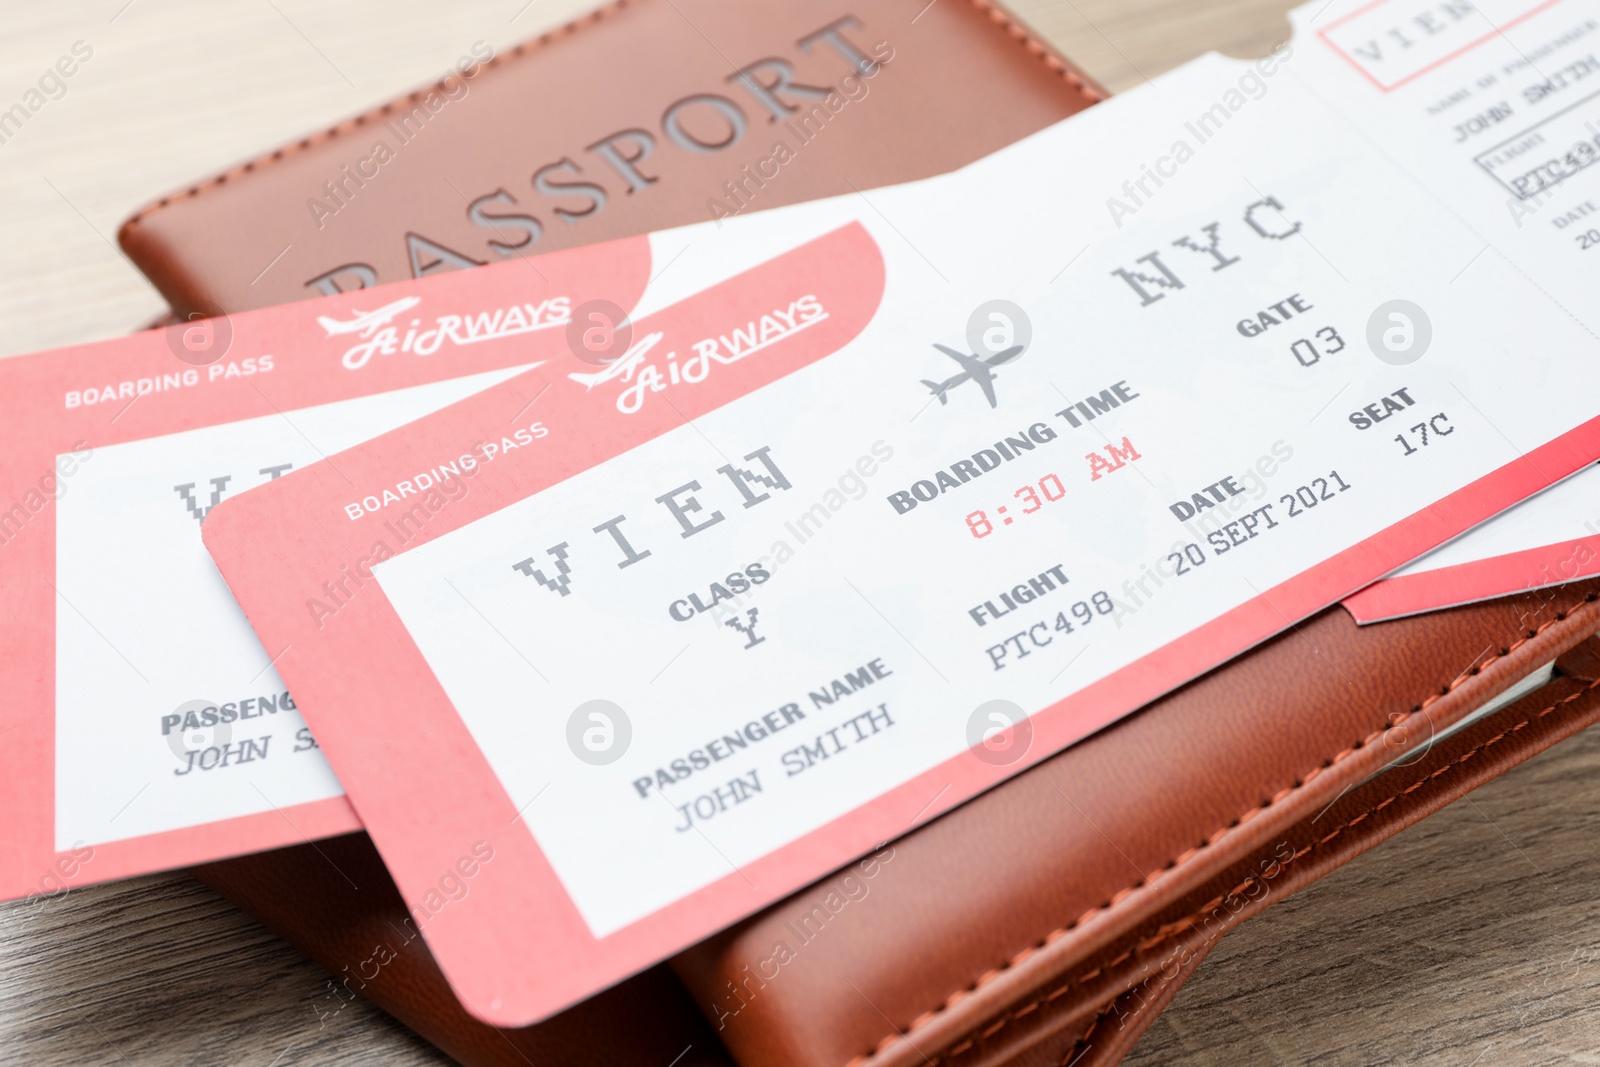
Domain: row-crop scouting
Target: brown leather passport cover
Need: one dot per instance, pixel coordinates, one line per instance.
(1045, 922)
(644, 115)
(1049, 920)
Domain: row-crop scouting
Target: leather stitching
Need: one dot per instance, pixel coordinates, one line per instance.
(1172, 930)
(1038, 49)
(1083, 1039)
(1031, 43)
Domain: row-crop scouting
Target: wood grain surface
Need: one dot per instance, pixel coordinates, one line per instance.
(1469, 939)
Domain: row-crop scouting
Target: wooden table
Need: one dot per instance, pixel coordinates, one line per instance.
(1465, 940)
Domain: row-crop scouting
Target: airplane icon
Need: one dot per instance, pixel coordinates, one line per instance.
(367, 323)
(623, 366)
(974, 369)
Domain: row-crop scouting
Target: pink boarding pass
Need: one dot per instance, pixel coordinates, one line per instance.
(145, 726)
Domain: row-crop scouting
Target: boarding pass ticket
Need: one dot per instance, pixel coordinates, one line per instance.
(1494, 108)
(875, 524)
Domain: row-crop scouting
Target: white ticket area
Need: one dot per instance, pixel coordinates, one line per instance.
(169, 713)
(1493, 108)
(934, 535)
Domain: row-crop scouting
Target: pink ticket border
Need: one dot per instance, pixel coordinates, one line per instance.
(1482, 579)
